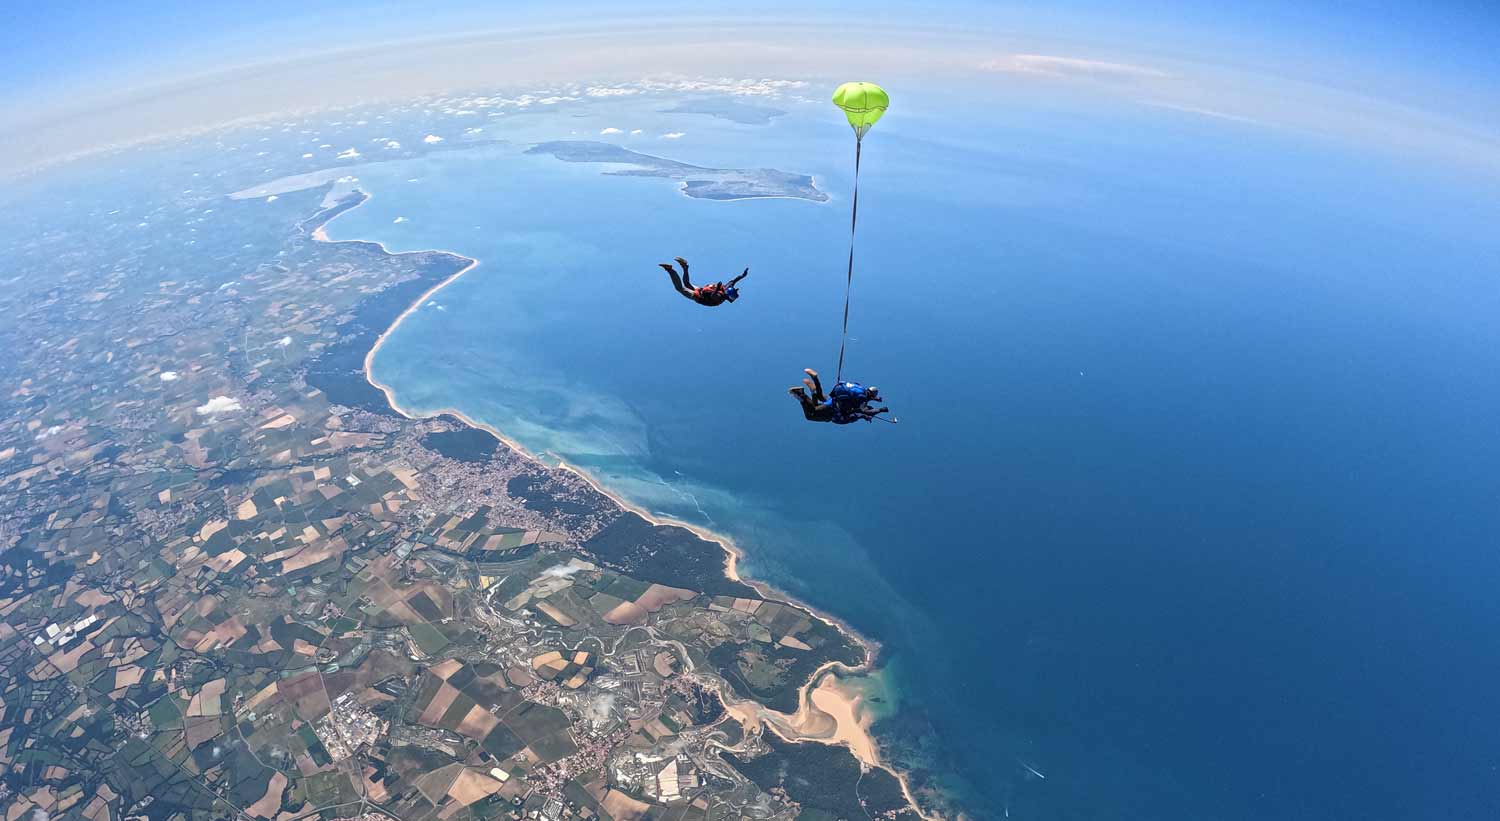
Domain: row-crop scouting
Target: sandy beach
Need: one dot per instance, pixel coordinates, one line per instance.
(829, 712)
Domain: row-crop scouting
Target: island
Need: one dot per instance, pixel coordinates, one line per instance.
(697, 182)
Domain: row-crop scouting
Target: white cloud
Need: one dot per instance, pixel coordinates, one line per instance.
(673, 135)
(306, 156)
(1203, 112)
(392, 144)
(348, 154)
(398, 220)
(606, 132)
(610, 91)
(1070, 67)
(283, 342)
(723, 85)
(432, 139)
(168, 376)
(272, 198)
(634, 131)
(219, 404)
(600, 708)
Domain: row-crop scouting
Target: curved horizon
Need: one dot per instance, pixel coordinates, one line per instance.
(1273, 72)
(1187, 315)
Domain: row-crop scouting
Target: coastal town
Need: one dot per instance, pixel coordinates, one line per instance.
(235, 583)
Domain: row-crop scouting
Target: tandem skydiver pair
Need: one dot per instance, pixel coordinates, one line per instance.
(847, 402)
(863, 104)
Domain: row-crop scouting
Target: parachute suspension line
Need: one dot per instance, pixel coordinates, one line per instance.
(849, 281)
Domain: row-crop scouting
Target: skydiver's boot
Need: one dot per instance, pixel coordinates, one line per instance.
(676, 280)
(686, 279)
(815, 384)
(809, 408)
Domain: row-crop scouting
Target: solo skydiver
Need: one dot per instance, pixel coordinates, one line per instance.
(847, 402)
(710, 295)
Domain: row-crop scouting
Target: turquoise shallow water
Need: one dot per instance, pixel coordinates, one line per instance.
(1190, 510)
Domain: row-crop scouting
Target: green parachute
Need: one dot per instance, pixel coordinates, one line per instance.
(863, 103)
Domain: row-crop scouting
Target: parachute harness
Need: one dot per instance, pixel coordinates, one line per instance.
(849, 281)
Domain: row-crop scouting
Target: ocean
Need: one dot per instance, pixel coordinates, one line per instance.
(1191, 509)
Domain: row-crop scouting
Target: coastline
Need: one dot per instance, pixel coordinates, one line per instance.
(827, 712)
(850, 728)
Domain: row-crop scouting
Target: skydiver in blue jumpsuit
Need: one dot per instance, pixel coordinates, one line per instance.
(848, 401)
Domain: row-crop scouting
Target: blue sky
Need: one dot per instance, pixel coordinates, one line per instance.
(1439, 58)
(73, 47)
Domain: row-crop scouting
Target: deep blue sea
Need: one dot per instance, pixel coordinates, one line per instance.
(1192, 510)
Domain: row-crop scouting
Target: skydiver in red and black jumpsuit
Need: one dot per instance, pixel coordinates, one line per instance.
(710, 295)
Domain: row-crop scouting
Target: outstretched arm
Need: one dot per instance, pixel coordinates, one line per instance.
(731, 282)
